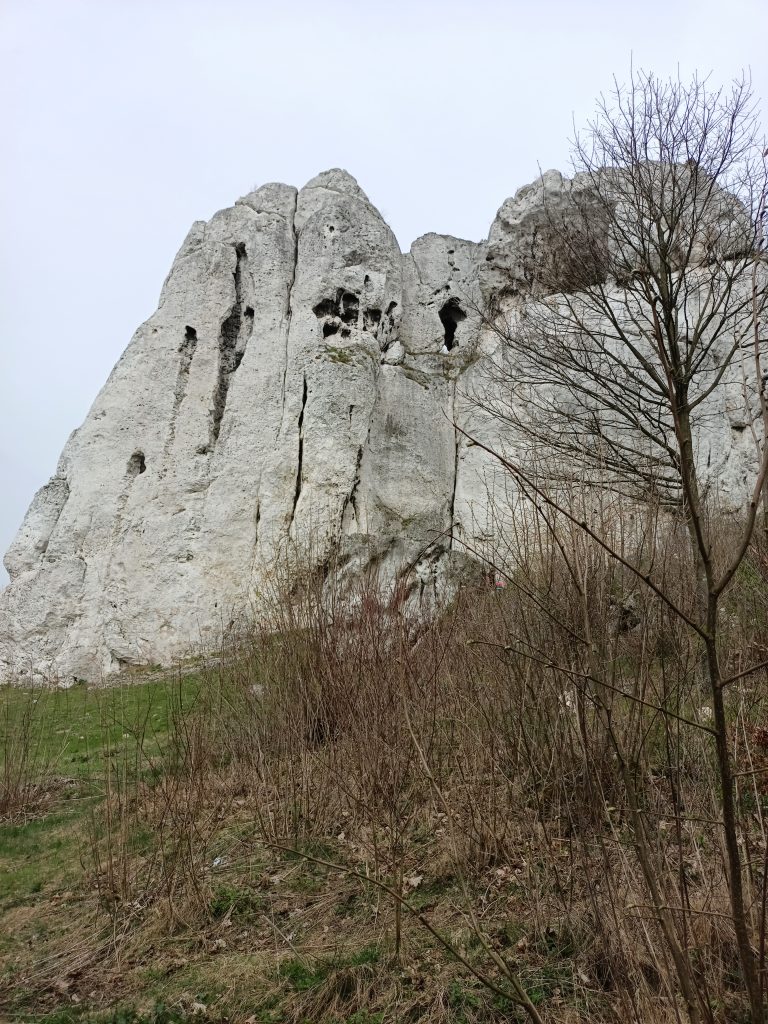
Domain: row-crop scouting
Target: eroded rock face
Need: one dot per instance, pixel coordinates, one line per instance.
(302, 385)
(295, 385)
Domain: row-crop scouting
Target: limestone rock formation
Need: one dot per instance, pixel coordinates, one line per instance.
(299, 385)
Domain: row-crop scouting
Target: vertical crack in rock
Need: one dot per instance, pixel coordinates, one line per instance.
(286, 318)
(289, 304)
(388, 328)
(186, 352)
(299, 467)
(351, 498)
(235, 334)
(456, 443)
(256, 526)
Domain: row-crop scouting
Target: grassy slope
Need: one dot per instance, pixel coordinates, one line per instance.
(284, 938)
(65, 738)
(140, 882)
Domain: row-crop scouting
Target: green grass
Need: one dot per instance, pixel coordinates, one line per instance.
(303, 977)
(68, 738)
(37, 854)
(237, 902)
(71, 728)
(66, 741)
(339, 355)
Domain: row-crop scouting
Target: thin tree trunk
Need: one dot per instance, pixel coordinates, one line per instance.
(730, 827)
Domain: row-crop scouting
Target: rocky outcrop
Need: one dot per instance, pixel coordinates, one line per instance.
(302, 385)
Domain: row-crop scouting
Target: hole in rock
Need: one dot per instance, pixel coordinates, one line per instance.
(451, 315)
(136, 464)
(345, 307)
(371, 320)
(325, 308)
(349, 307)
(249, 312)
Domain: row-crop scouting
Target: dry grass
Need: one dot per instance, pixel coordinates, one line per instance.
(363, 817)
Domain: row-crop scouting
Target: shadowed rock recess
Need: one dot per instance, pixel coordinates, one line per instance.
(297, 389)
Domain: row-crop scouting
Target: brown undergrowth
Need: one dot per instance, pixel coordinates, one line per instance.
(365, 817)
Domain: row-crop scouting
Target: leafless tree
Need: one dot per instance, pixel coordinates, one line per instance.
(640, 298)
(638, 291)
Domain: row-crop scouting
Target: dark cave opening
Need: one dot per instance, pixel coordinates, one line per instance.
(451, 315)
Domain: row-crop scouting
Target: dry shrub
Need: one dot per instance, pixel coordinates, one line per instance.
(477, 755)
(28, 759)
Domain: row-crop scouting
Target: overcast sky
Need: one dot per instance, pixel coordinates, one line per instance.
(123, 121)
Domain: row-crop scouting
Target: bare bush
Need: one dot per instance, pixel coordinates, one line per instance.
(483, 760)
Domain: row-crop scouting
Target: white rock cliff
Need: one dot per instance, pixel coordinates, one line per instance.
(299, 384)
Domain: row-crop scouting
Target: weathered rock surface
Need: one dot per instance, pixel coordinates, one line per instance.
(299, 385)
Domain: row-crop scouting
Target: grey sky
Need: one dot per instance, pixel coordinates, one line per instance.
(123, 121)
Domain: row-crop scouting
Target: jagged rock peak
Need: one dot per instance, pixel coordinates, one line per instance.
(336, 179)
